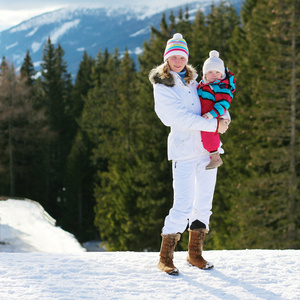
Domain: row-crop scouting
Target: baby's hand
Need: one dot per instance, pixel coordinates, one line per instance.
(208, 116)
(226, 119)
(223, 126)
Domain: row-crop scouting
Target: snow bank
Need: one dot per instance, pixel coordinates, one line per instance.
(26, 227)
(245, 274)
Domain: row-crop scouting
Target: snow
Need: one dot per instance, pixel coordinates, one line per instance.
(11, 46)
(43, 271)
(27, 227)
(44, 19)
(142, 31)
(139, 12)
(58, 32)
(31, 33)
(80, 49)
(245, 274)
(55, 34)
(36, 46)
(138, 50)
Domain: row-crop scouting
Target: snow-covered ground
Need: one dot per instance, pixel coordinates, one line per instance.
(35, 273)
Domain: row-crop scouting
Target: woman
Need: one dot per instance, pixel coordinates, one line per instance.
(177, 105)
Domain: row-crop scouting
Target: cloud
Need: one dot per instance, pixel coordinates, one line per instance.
(38, 4)
(10, 18)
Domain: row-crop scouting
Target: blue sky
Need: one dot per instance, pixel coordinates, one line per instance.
(13, 12)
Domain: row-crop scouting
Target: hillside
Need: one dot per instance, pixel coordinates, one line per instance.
(48, 264)
(91, 30)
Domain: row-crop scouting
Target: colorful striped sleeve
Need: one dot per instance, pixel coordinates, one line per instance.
(223, 98)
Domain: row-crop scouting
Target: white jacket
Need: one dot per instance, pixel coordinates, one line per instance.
(179, 108)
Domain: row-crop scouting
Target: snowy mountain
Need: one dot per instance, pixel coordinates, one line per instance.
(86, 29)
(39, 261)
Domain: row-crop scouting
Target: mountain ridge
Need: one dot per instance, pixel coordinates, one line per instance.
(88, 29)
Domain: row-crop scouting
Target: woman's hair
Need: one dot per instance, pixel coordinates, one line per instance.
(164, 71)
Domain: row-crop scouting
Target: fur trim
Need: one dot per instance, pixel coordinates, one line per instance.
(161, 75)
(156, 76)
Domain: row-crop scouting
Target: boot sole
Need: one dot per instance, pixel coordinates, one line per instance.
(206, 268)
(174, 273)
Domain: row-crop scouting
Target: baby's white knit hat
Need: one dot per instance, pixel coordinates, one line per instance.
(213, 63)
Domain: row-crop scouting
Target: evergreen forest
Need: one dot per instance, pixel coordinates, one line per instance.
(92, 151)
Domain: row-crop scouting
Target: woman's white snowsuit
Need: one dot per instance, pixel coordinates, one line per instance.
(179, 108)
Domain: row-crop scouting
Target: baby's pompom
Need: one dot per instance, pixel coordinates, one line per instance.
(213, 53)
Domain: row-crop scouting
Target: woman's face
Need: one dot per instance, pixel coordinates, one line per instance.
(177, 63)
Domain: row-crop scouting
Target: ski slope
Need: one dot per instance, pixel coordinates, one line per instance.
(67, 272)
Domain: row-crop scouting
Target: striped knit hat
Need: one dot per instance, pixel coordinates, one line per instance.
(176, 46)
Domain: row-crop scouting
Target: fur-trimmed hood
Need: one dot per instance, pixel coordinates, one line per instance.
(158, 75)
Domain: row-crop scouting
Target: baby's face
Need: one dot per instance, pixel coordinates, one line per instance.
(211, 76)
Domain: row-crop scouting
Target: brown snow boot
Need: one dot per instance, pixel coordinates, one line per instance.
(196, 240)
(168, 245)
(215, 161)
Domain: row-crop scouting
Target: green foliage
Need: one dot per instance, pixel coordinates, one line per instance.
(263, 167)
(22, 134)
(78, 216)
(96, 151)
(126, 205)
(27, 71)
(54, 97)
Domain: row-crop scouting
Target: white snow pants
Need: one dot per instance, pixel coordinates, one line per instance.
(193, 194)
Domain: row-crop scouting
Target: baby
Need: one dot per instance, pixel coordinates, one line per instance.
(215, 92)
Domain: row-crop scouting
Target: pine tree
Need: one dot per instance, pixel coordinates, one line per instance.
(184, 26)
(20, 134)
(30, 183)
(265, 204)
(220, 24)
(27, 70)
(83, 83)
(198, 48)
(9, 99)
(55, 97)
(120, 176)
(79, 200)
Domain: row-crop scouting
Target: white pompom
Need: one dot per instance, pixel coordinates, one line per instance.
(177, 36)
(213, 53)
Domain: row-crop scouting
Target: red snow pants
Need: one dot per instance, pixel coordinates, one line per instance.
(211, 140)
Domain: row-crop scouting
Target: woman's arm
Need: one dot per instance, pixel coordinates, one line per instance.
(173, 112)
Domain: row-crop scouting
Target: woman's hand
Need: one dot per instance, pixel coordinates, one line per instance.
(223, 126)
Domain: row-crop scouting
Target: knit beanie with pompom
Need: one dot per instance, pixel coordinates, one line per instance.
(213, 63)
(176, 46)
